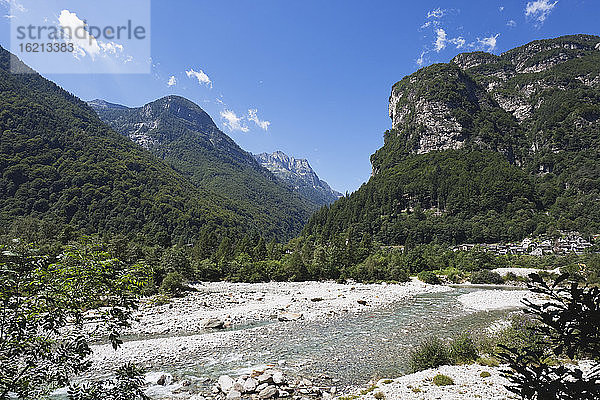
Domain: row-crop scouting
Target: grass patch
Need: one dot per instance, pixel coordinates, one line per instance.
(442, 380)
(379, 396)
(485, 374)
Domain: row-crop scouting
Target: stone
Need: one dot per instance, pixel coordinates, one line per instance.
(234, 395)
(239, 386)
(278, 378)
(316, 299)
(362, 302)
(306, 382)
(264, 378)
(289, 316)
(268, 393)
(250, 385)
(185, 382)
(212, 323)
(283, 393)
(164, 380)
(261, 386)
(225, 383)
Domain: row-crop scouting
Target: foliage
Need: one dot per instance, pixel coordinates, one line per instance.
(442, 380)
(173, 284)
(429, 277)
(486, 277)
(569, 320)
(463, 350)
(49, 307)
(430, 354)
(126, 385)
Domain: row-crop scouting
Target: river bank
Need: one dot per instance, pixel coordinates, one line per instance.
(334, 335)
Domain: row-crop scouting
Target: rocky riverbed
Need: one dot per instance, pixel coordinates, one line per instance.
(335, 336)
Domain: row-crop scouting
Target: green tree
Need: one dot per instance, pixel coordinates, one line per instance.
(44, 304)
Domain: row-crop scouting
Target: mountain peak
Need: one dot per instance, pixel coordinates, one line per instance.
(299, 174)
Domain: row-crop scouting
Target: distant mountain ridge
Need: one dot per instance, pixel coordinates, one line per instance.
(185, 136)
(299, 174)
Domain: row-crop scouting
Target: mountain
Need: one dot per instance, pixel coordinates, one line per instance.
(61, 165)
(485, 148)
(298, 174)
(185, 137)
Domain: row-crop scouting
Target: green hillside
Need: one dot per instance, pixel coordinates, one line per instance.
(61, 165)
(184, 136)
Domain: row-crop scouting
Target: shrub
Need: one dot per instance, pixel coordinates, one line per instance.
(485, 374)
(486, 277)
(569, 320)
(379, 396)
(488, 361)
(429, 277)
(442, 380)
(173, 284)
(430, 354)
(463, 349)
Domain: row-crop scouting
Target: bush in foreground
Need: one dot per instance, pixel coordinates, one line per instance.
(430, 354)
(463, 350)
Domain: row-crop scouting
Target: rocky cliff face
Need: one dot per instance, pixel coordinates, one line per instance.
(499, 102)
(299, 174)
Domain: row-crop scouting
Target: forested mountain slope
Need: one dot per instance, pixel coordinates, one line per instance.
(183, 135)
(62, 165)
(485, 148)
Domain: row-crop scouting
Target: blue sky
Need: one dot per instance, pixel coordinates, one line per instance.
(312, 78)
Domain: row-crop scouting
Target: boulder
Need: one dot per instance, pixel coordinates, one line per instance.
(268, 393)
(164, 380)
(234, 395)
(362, 302)
(250, 385)
(278, 378)
(315, 299)
(225, 383)
(265, 377)
(261, 386)
(289, 316)
(212, 323)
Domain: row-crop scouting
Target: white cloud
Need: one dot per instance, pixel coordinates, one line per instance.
(459, 42)
(201, 76)
(539, 9)
(437, 13)
(75, 32)
(14, 5)
(488, 43)
(440, 41)
(172, 81)
(511, 23)
(264, 125)
(233, 122)
(421, 59)
(111, 47)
